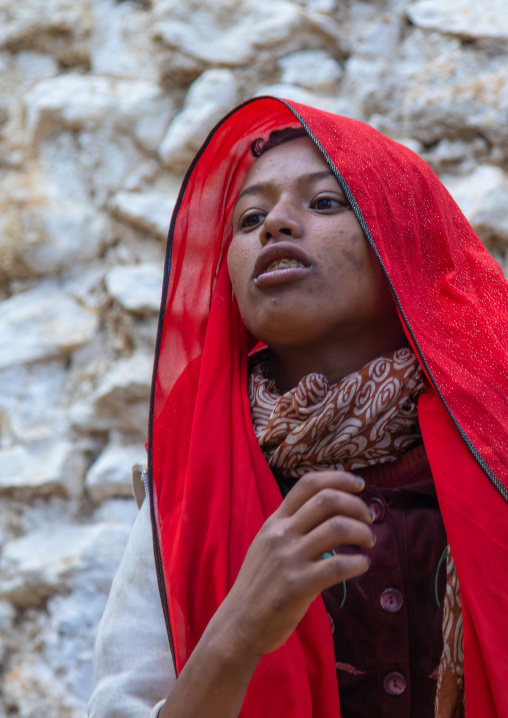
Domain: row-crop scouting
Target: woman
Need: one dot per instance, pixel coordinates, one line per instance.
(342, 252)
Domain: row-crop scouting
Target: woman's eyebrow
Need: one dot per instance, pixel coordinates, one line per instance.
(301, 179)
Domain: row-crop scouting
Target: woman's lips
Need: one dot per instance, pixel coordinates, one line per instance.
(281, 263)
(281, 276)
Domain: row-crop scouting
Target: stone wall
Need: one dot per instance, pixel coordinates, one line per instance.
(102, 105)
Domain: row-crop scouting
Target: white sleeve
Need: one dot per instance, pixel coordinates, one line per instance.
(134, 670)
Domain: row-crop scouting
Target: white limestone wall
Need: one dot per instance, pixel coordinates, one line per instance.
(102, 105)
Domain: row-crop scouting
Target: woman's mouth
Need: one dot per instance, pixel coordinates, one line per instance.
(282, 271)
(283, 263)
(280, 263)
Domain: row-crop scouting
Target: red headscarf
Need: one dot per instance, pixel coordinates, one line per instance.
(212, 486)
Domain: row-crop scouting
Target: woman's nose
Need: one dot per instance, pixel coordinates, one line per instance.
(280, 221)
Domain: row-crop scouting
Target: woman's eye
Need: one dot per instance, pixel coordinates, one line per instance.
(251, 220)
(326, 203)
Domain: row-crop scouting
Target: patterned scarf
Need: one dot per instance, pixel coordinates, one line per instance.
(450, 682)
(369, 417)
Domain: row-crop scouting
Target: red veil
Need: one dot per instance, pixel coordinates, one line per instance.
(212, 488)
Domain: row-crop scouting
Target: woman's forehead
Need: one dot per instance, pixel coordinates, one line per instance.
(285, 161)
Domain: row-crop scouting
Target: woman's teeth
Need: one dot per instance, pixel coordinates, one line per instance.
(283, 264)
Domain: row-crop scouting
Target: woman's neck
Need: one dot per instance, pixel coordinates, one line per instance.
(287, 367)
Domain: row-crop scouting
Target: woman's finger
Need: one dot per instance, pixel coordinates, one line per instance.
(329, 571)
(333, 533)
(314, 482)
(328, 503)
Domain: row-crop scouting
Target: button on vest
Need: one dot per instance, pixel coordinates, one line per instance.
(394, 683)
(391, 600)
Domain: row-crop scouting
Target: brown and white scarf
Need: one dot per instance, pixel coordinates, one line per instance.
(369, 417)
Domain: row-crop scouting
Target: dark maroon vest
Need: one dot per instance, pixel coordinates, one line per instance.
(387, 623)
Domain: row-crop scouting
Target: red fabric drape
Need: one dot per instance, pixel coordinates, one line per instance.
(213, 488)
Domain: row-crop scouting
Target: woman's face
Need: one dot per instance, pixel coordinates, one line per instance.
(301, 267)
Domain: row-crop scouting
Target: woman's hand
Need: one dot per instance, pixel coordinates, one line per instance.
(284, 569)
(283, 572)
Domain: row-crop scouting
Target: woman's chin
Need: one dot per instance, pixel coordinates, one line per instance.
(286, 335)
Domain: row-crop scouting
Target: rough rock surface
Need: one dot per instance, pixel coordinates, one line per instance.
(47, 561)
(208, 99)
(102, 105)
(484, 196)
(137, 288)
(147, 211)
(40, 324)
(42, 470)
(299, 68)
(461, 17)
(121, 400)
(87, 102)
(111, 475)
(231, 33)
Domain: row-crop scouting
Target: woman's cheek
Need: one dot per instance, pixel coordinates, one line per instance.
(231, 261)
(238, 264)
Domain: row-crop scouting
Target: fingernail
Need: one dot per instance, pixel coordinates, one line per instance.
(374, 538)
(360, 481)
(368, 561)
(372, 515)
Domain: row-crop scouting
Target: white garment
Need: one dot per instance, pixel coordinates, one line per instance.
(134, 670)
